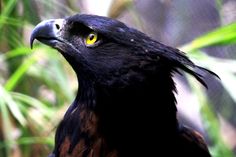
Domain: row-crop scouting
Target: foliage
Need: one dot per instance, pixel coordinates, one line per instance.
(34, 91)
(221, 36)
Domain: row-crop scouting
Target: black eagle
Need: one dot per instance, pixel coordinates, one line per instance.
(125, 105)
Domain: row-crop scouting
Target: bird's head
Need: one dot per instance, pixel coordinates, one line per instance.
(108, 52)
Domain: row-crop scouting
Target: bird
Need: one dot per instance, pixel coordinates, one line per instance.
(125, 105)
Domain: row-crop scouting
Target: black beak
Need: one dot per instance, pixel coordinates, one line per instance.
(47, 32)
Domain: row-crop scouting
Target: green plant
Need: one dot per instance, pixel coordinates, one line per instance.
(225, 35)
(34, 91)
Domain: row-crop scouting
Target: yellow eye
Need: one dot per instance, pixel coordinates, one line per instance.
(91, 38)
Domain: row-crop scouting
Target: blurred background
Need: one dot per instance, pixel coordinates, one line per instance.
(37, 86)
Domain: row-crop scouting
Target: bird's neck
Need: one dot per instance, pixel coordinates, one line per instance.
(125, 119)
(152, 102)
(133, 114)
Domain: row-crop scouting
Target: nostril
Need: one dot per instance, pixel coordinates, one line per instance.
(57, 26)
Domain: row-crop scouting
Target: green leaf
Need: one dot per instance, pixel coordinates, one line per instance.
(18, 74)
(211, 122)
(6, 11)
(222, 36)
(28, 141)
(11, 21)
(6, 123)
(33, 103)
(13, 106)
(21, 51)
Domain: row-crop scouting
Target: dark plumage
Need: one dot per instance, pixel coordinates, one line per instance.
(125, 105)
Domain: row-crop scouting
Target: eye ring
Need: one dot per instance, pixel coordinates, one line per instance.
(91, 39)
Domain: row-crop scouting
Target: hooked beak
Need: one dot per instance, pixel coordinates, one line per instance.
(47, 32)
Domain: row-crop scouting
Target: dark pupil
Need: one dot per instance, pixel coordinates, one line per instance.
(91, 36)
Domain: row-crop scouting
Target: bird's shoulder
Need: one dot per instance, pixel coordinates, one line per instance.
(192, 141)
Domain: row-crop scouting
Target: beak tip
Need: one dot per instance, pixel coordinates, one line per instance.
(32, 37)
(31, 43)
